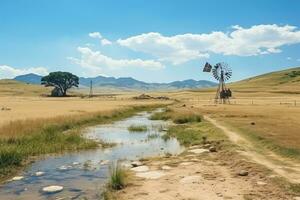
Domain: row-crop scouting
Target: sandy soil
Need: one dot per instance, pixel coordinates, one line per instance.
(210, 176)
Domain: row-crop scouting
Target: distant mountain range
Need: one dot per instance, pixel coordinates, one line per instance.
(125, 83)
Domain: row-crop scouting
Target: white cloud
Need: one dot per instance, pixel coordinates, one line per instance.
(288, 58)
(8, 72)
(105, 42)
(96, 61)
(95, 35)
(256, 40)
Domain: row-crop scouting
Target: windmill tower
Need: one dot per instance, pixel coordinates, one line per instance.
(221, 72)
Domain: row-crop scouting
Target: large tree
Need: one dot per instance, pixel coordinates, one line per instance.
(61, 81)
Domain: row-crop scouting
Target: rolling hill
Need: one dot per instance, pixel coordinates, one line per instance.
(285, 81)
(15, 88)
(125, 83)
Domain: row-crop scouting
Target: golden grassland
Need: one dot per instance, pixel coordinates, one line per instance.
(19, 101)
(269, 120)
(22, 108)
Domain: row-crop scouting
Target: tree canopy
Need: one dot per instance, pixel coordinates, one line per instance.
(61, 81)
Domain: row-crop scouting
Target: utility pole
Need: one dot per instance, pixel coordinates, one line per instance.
(91, 89)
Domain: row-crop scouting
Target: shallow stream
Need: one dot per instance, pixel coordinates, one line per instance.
(83, 174)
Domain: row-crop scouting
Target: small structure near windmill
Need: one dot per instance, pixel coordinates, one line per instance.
(221, 72)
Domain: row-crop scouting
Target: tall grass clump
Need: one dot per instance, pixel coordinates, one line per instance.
(137, 128)
(118, 177)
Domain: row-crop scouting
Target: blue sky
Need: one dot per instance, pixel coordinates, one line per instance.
(154, 41)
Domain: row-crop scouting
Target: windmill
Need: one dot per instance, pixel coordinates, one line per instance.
(221, 72)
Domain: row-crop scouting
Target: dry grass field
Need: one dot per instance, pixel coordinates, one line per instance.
(19, 101)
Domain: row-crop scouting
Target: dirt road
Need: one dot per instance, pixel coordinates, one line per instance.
(283, 167)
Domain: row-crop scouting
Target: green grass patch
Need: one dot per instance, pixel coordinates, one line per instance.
(187, 119)
(165, 115)
(137, 128)
(194, 134)
(177, 118)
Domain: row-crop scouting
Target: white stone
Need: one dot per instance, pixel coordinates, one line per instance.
(17, 178)
(75, 163)
(151, 174)
(261, 183)
(198, 151)
(186, 163)
(39, 173)
(165, 167)
(143, 168)
(53, 188)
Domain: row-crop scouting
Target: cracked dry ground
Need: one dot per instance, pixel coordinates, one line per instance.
(206, 176)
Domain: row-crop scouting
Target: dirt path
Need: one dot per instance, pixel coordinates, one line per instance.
(283, 167)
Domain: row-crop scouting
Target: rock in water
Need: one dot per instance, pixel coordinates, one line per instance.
(243, 173)
(104, 162)
(17, 178)
(39, 173)
(53, 188)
